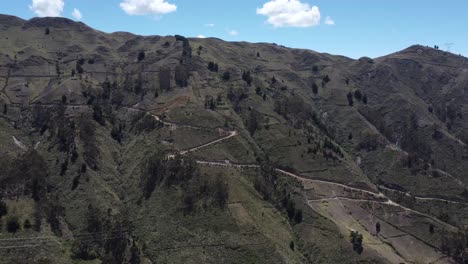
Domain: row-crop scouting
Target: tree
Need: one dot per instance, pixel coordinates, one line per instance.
(27, 224)
(247, 77)
(213, 66)
(326, 79)
(13, 224)
(252, 123)
(221, 192)
(88, 137)
(47, 31)
(350, 99)
(141, 55)
(377, 227)
(79, 66)
(258, 54)
(64, 99)
(431, 228)
(97, 115)
(364, 99)
(226, 76)
(165, 78)
(3, 209)
(356, 240)
(315, 68)
(291, 245)
(181, 76)
(314, 88)
(5, 109)
(358, 95)
(298, 216)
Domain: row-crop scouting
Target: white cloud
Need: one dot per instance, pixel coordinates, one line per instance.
(77, 14)
(233, 32)
(209, 25)
(47, 8)
(147, 7)
(329, 21)
(201, 36)
(290, 13)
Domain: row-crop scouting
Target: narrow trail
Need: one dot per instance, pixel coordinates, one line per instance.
(231, 134)
(234, 133)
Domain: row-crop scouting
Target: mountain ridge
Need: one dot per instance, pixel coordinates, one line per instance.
(259, 152)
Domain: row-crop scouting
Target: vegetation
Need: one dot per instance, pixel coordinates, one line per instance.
(141, 56)
(456, 246)
(88, 137)
(356, 240)
(13, 224)
(350, 99)
(226, 76)
(3, 209)
(213, 66)
(246, 76)
(181, 76)
(164, 78)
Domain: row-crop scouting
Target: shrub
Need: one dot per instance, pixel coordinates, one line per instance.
(88, 137)
(13, 224)
(141, 55)
(3, 209)
(97, 115)
(47, 31)
(298, 216)
(213, 66)
(5, 109)
(27, 224)
(291, 245)
(226, 76)
(83, 168)
(315, 88)
(431, 228)
(79, 66)
(181, 76)
(315, 68)
(377, 227)
(364, 99)
(358, 95)
(247, 77)
(165, 78)
(326, 79)
(221, 193)
(350, 99)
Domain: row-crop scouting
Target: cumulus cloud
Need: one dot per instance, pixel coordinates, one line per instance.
(329, 21)
(201, 36)
(147, 7)
(233, 32)
(47, 8)
(76, 14)
(290, 13)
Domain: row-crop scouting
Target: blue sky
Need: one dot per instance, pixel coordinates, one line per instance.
(361, 28)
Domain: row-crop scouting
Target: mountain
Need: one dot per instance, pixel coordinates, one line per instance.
(119, 148)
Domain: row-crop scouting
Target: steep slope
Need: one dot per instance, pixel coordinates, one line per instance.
(120, 148)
